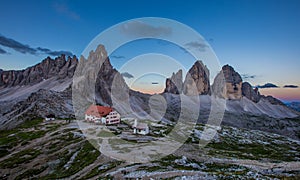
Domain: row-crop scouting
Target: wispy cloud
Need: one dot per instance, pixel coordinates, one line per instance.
(65, 10)
(183, 49)
(117, 57)
(267, 85)
(162, 42)
(2, 51)
(248, 76)
(54, 53)
(141, 29)
(17, 46)
(166, 43)
(197, 45)
(127, 75)
(26, 49)
(290, 86)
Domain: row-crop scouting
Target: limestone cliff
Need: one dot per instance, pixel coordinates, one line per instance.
(228, 84)
(197, 80)
(174, 84)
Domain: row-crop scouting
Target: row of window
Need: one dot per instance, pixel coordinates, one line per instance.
(112, 116)
(116, 120)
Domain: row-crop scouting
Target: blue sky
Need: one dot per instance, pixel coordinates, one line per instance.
(260, 39)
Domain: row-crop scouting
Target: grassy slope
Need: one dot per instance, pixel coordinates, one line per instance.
(38, 149)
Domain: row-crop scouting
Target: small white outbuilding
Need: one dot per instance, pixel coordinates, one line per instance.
(140, 128)
(50, 117)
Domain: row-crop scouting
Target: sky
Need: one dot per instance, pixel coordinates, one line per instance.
(260, 39)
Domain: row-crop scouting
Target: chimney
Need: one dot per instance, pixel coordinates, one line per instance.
(135, 123)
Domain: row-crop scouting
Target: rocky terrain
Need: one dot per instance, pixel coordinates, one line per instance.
(197, 80)
(228, 84)
(294, 105)
(37, 91)
(37, 105)
(250, 93)
(60, 67)
(94, 80)
(174, 84)
(258, 138)
(56, 150)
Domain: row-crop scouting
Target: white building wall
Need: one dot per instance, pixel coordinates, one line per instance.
(113, 118)
(141, 131)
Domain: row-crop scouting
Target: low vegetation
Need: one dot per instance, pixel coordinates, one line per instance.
(85, 155)
(56, 151)
(19, 158)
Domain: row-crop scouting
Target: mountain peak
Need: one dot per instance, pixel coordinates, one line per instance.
(96, 71)
(228, 84)
(48, 68)
(174, 84)
(231, 76)
(250, 93)
(197, 80)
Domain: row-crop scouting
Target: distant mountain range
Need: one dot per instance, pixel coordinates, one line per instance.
(294, 105)
(47, 88)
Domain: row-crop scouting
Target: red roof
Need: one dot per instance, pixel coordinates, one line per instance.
(98, 111)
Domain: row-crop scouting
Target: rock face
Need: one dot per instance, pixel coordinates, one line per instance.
(250, 93)
(59, 68)
(29, 91)
(228, 84)
(273, 100)
(97, 81)
(197, 80)
(38, 105)
(94, 81)
(174, 84)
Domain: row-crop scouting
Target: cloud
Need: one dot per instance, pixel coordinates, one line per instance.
(54, 53)
(17, 46)
(183, 49)
(26, 49)
(267, 85)
(65, 10)
(117, 57)
(127, 75)
(290, 86)
(166, 43)
(141, 29)
(248, 76)
(163, 42)
(201, 46)
(2, 51)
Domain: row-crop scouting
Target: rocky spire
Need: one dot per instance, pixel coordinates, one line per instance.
(96, 76)
(250, 93)
(58, 68)
(174, 84)
(197, 80)
(228, 84)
